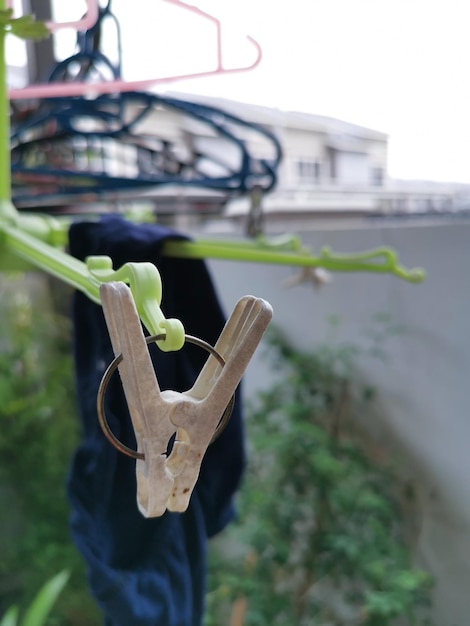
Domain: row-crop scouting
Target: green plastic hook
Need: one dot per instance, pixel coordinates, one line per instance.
(146, 287)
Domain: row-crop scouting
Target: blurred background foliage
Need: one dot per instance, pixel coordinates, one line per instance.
(325, 522)
(38, 434)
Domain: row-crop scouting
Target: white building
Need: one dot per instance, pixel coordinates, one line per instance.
(331, 167)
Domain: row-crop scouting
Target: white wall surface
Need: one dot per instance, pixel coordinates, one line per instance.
(423, 388)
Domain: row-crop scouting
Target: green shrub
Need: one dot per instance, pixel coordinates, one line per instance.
(321, 536)
(38, 433)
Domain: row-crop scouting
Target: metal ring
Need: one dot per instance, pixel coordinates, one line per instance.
(112, 367)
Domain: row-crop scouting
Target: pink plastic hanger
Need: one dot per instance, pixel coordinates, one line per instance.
(54, 90)
(87, 21)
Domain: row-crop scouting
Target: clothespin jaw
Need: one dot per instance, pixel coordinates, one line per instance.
(198, 410)
(152, 427)
(166, 482)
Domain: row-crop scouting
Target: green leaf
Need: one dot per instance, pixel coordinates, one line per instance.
(383, 604)
(410, 580)
(11, 617)
(42, 604)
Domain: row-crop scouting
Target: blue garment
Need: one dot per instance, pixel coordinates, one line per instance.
(145, 572)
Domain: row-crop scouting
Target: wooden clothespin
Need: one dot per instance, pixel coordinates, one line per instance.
(166, 482)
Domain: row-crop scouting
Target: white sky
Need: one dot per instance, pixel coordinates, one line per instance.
(399, 66)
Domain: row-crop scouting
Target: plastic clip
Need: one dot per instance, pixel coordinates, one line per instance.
(146, 286)
(167, 481)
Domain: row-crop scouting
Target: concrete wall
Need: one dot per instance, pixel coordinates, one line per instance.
(423, 388)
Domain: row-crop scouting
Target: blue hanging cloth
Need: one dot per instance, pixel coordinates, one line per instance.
(145, 572)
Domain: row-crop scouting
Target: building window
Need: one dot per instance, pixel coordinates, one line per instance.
(377, 176)
(308, 171)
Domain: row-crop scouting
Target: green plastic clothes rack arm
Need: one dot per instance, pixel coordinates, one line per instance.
(35, 239)
(289, 251)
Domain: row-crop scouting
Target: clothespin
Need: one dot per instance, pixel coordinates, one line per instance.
(316, 275)
(166, 482)
(255, 219)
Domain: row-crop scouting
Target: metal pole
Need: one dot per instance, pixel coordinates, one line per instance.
(40, 54)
